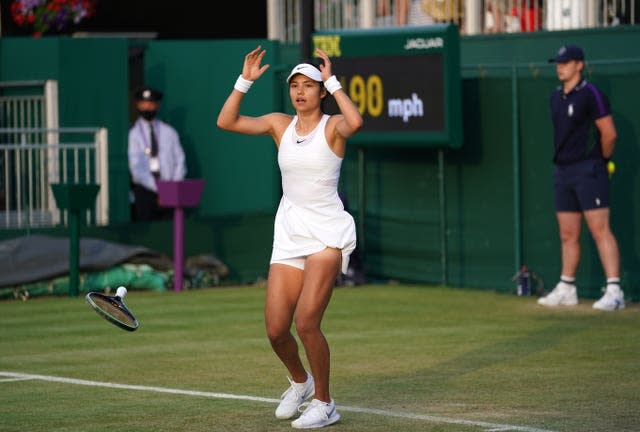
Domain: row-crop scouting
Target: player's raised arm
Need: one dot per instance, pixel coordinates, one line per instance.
(229, 117)
(351, 120)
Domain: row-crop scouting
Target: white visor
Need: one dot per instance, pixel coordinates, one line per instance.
(307, 70)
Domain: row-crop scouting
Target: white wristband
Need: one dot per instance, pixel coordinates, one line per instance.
(242, 85)
(332, 84)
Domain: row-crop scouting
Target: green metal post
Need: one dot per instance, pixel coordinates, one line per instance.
(361, 202)
(75, 198)
(74, 252)
(443, 217)
(515, 139)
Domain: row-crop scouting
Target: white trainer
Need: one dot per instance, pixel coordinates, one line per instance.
(613, 299)
(563, 294)
(318, 414)
(294, 396)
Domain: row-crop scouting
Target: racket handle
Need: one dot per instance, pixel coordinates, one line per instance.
(121, 292)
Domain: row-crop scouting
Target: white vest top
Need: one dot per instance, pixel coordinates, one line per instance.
(310, 216)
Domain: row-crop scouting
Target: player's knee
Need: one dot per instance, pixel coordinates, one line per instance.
(602, 234)
(278, 335)
(306, 327)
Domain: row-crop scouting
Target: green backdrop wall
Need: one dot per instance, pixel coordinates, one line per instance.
(464, 217)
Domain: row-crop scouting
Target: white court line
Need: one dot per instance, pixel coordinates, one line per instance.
(488, 427)
(14, 379)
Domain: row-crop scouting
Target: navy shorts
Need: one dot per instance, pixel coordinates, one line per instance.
(581, 186)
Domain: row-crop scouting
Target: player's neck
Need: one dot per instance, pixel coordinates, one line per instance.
(308, 121)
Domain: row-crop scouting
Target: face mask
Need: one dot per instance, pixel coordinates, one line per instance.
(148, 114)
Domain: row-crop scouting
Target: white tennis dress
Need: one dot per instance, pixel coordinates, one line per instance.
(310, 216)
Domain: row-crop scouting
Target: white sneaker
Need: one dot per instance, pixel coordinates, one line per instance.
(613, 299)
(563, 294)
(294, 396)
(318, 414)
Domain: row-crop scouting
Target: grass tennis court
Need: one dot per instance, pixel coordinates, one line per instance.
(405, 358)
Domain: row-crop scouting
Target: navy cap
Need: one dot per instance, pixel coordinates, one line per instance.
(148, 94)
(567, 53)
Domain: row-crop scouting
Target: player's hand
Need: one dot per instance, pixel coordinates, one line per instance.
(325, 68)
(252, 70)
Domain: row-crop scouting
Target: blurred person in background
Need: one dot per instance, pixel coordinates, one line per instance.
(493, 16)
(525, 17)
(412, 13)
(155, 153)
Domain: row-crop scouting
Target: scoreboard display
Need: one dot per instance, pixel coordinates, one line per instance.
(405, 82)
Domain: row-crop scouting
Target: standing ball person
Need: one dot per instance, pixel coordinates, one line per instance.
(313, 234)
(584, 137)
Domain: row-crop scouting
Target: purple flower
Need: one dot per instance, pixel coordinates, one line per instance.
(47, 15)
(27, 5)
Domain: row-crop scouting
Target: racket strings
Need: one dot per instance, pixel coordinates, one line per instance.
(113, 309)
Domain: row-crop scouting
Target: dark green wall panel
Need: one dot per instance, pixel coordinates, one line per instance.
(24, 59)
(93, 92)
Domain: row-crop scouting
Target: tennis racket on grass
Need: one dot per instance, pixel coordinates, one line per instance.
(113, 309)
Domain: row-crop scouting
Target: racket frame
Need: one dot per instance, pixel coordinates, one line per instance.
(118, 303)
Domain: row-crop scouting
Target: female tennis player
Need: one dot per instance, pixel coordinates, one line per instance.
(313, 234)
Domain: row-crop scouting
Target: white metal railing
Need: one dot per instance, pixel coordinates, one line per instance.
(473, 17)
(28, 104)
(31, 160)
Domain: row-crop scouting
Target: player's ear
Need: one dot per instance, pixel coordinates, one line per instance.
(323, 91)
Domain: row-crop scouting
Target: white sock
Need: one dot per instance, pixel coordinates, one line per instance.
(613, 283)
(567, 280)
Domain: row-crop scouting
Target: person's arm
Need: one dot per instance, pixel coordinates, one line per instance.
(608, 135)
(229, 118)
(495, 11)
(383, 8)
(402, 11)
(349, 121)
(179, 162)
